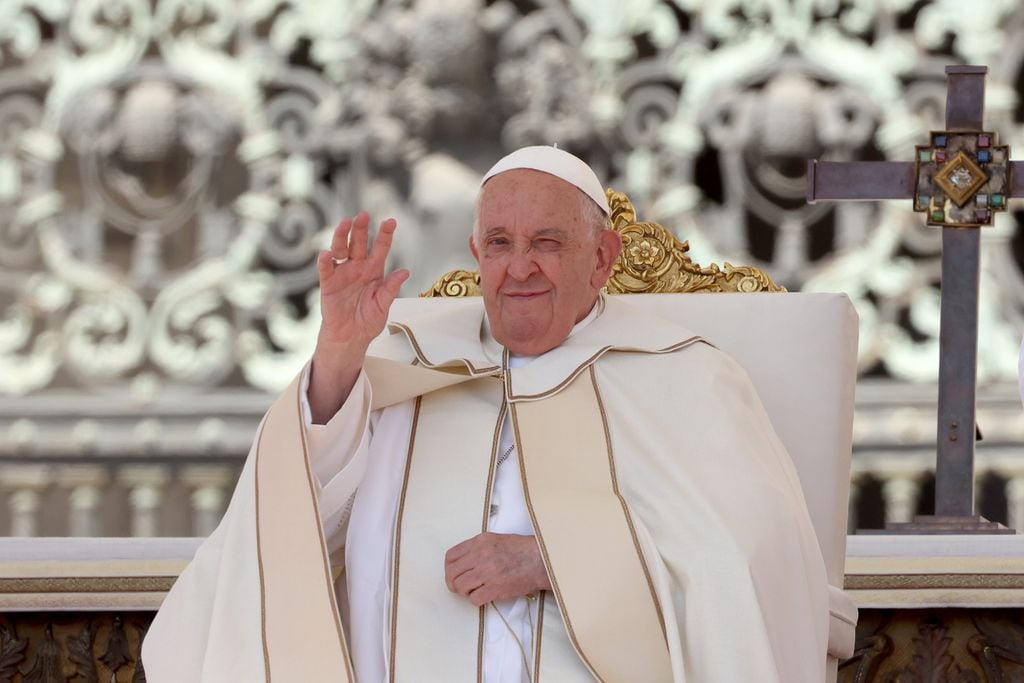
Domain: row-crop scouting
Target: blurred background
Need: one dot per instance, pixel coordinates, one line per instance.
(169, 169)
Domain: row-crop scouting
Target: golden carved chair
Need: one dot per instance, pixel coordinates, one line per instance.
(799, 349)
(653, 261)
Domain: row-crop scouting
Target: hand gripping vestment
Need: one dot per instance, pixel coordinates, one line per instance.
(669, 516)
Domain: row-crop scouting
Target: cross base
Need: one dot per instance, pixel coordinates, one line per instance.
(942, 524)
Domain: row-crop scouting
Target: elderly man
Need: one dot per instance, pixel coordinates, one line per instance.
(513, 489)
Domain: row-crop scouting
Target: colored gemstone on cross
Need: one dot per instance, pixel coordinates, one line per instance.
(938, 215)
(997, 201)
(981, 215)
(984, 140)
(984, 156)
(940, 141)
(981, 200)
(998, 156)
(925, 156)
(940, 156)
(922, 202)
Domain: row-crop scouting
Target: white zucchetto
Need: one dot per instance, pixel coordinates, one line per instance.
(556, 162)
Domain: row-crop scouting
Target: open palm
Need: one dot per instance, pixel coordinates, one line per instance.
(355, 292)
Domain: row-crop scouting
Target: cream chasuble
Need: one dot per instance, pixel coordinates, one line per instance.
(673, 529)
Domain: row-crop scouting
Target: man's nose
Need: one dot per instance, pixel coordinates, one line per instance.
(521, 265)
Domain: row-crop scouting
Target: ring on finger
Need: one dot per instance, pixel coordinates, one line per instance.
(338, 261)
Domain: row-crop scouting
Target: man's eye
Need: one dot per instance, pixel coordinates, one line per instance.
(547, 244)
(497, 242)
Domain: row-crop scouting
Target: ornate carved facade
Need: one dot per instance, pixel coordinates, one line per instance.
(169, 168)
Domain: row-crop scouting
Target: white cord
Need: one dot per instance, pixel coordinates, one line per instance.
(519, 643)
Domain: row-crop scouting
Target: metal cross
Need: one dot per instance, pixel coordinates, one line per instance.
(960, 179)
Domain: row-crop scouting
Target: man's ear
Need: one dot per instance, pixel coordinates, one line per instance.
(609, 246)
(472, 248)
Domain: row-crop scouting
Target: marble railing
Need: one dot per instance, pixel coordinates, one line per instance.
(173, 476)
(115, 499)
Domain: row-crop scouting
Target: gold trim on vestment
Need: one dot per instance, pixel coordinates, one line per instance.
(484, 524)
(625, 507)
(544, 550)
(398, 538)
(259, 564)
(422, 357)
(583, 366)
(285, 545)
(324, 555)
(567, 471)
(436, 633)
(538, 637)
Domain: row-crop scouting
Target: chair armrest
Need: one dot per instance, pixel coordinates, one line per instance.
(842, 623)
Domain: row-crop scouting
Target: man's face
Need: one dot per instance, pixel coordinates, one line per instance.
(541, 264)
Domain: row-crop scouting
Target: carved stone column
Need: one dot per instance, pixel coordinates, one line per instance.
(900, 492)
(85, 484)
(208, 497)
(146, 484)
(27, 482)
(1015, 501)
(851, 514)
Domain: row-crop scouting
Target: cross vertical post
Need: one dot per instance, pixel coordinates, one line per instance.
(959, 180)
(958, 324)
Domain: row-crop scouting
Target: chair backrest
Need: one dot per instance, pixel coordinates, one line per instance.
(800, 351)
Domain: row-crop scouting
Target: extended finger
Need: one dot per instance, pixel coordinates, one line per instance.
(388, 290)
(382, 242)
(339, 242)
(360, 236)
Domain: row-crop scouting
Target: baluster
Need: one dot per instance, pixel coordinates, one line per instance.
(1015, 501)
(146, 490)
(851, 515)
(900, 492)
(209, 484)
(85, 484)
(28, 483)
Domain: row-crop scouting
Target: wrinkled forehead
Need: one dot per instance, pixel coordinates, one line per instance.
(528, 201)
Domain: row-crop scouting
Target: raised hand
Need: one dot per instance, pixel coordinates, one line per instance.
(355, 294)
(355, 297)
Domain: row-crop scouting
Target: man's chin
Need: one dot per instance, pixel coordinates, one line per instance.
(526, 338)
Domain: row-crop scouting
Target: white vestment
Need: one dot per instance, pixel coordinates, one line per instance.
(368, 539)
(713, 502)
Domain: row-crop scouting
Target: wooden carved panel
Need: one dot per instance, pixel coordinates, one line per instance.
(940, 646)
(72, 646)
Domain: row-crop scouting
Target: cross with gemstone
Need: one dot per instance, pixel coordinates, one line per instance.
(959, 180)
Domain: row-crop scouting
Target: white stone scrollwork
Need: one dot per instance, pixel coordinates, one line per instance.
(169, 169)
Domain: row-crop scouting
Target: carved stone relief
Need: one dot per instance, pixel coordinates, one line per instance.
(169, 169)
